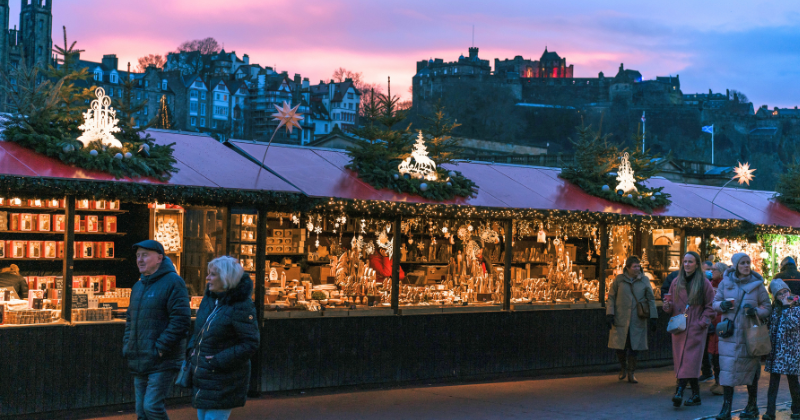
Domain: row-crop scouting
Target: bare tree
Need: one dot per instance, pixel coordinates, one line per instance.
(340, 74)
(204, 46)
(155, 59)
(739, 94)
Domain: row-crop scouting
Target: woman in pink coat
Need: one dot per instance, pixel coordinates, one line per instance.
(691, 294)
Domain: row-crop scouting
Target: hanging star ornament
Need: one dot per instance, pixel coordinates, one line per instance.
(743, 173)
(286, 116)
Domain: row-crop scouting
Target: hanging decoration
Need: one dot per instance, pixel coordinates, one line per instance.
(422, 167)
(286, 116)
(742, 174)
(627, 182)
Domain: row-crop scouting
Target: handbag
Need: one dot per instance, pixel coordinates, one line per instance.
(677, 324)
(642, 309)
(184, 379)
(757, 339)
(725, 327)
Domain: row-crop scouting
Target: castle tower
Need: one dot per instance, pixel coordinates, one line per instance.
(4, 46)
(36, 29)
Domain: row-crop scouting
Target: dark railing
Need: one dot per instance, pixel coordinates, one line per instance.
(552, 161)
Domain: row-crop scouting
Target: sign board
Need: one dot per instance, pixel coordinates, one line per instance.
(663, 237)
(80, 301)
(112, 305)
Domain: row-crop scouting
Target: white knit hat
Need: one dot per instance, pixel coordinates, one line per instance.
(776, 285)
(735, 260)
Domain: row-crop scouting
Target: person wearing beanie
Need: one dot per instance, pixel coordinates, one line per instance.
(789, 274)
(784, 335)
(740, 298)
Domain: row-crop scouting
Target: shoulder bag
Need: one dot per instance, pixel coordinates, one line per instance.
(184, 379)
(757, 339)
(677, 324)
(725, 327)
(642, 309)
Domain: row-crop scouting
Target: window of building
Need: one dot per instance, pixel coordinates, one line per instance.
(193, 121)
(98, 76)
(351, 105)
(326, 128)
(216, 96)
(214, 124)
(146, 83)
(202, 122)
(113, 78)
(145, 110)
(224, 97)
(111, 91)
(203, 95)
(350, 95)
(41, 26)
(198, 84)
(202, 109)
(193, 107)
(193, 94)
(164, 84)
(139, 95)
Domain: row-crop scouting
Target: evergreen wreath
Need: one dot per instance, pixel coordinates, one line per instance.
(48, 109)
(595, 158)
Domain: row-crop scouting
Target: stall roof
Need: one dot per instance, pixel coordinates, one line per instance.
(201, 162)
(322, 173)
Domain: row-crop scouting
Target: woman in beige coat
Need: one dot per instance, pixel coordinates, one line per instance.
(629, 332)
(740, 297)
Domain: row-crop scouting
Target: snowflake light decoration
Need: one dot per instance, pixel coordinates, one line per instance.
(422, 167)
(627, 182)
(100, 122)
(743, 173)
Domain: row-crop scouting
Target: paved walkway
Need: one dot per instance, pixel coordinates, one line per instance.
(577, 397)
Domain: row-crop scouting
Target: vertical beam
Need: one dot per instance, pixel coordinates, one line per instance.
(684, 245)
(603, 263)
(69, 254)
(261, 272)
(507, 264)
(396, 265)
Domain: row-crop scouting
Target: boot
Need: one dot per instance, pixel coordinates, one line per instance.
(677, 399)
(727, 402)
(631, 369)
(695, 398)
(767, 417)
(751, 410)
(623, 371)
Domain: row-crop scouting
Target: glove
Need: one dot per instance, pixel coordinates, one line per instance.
(726, 306)
(749, 310)
(712, 329)
(610, 321)
(653, 323)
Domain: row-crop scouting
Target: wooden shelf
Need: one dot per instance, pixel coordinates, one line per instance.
(286, 253)
(36, 232)
(100, 211)
(58, 209)
(61, 259)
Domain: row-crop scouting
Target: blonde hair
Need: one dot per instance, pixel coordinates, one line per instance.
(229, 270)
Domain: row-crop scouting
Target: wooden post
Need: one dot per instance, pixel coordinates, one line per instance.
(69, 254)
(603, 263)
(507, 264)
(396, 266)
(261, 273)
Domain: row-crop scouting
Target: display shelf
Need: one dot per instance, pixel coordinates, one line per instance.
(285, 254)
(61, 259)
(43, 209)
(25, 232)
(99, 211)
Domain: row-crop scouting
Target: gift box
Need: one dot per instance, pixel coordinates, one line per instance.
(15, 202)
(82, 204)
(32, 282)
(53, 204)
(100, 204)
(50, 250)
(3, 201)
(96, 283)
(79, 281)
(34, 294)
(35, 203)
(26, 222)
(113, 205)
(91, 224)
(60, 249)
(2, 249)
(110, 224)
(34, 249)
(109, 283)
(86, 249)
(13, 222)
(18, 249)
(43, 222)
(59, 223)
(106, 250)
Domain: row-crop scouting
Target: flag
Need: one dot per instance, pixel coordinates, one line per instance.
(708, 129)
(642, 116)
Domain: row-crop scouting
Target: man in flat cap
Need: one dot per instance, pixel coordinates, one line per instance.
(156, 327)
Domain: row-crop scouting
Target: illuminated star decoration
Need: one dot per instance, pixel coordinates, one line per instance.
(286, 117)
(743, 173)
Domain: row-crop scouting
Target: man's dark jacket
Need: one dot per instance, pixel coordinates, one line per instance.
(791, 276)
(158, 319)
(17, 282)
(668, 282)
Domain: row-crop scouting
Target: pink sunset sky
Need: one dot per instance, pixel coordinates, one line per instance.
(749, 45)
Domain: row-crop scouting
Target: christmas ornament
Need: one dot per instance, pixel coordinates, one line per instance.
(118, 156)
(144, 150)
(423, 167)
(128, 155)
(423, 186)
(93, 152)
(100, 122)
(625, 176)
(286, 116)
(743, 173)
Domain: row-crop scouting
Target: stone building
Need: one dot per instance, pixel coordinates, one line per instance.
(33, 41)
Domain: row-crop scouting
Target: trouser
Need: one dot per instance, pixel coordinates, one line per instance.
(715, 363)
(706, 367)
(151, 391)
(693, 382)
(214, 414)
(627, 350)
(772, 393)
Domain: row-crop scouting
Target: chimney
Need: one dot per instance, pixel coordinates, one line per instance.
(111, 61)
(709, 92)
(306, 83)
(728, 93)
(246, 59)
(297, 79)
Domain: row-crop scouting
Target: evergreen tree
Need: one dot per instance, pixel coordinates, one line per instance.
(442, 147)
(127, 108)
(788, 187)
(72, 96)
(164, 117)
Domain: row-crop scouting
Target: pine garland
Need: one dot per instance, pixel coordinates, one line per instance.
(595, 158)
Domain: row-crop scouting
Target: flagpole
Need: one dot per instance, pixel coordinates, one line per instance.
(712, 144)
(644, 130)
